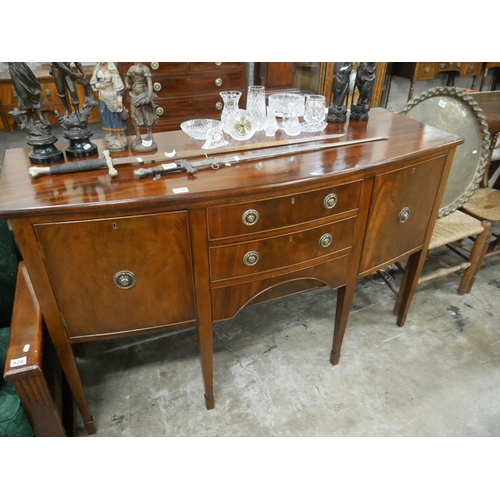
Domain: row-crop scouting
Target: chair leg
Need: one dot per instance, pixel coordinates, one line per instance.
(476, 259)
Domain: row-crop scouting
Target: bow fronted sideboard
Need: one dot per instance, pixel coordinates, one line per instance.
(119, 256)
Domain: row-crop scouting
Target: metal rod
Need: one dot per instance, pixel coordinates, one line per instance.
(227, 149)
(256, 155)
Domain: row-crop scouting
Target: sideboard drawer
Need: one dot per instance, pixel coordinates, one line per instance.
(252, 217)
(261, 255)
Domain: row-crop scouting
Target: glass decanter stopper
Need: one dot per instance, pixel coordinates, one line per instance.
(271, 124)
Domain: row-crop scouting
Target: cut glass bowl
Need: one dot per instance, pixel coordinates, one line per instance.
(280, 103)
(199, 127)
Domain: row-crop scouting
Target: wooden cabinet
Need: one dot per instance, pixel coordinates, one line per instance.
(122, 256)
(415, 71)
(188, 90)
(8, 98)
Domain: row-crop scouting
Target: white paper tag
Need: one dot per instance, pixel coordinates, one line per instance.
(18, 362)
(26, 348)
(169, 155)
(180, 190)
(442, 103)
(146, 144)
(139, 159)
(474, 152)
(87, 146)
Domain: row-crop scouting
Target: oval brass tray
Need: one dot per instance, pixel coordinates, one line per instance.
(454, 111)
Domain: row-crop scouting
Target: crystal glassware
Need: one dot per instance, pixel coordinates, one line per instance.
(271, 124)
(256, 105)
(231, 100)
(291, 120)
(240, 125)
(314, 113)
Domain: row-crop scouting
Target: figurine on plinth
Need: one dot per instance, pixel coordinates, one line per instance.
(106, 80)
(142, 107)
(365, 80)
(75, 119)
(39, 132)
(337, 111)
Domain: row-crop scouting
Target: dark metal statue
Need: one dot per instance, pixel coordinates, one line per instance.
(365, 80)
(142, 107)
(337, 111)
(75, 119)
(39, 132)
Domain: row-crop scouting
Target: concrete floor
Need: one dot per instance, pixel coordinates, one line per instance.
(437, 376)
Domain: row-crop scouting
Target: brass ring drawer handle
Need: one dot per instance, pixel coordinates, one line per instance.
(157, 86)
(154, 65)
(124, 279)
(325, 240)
(404, 215)
(251, 258)
(250, 217)
(48, 93)
(159, 111)
(218, 106)
(330, 201)
(218, 82)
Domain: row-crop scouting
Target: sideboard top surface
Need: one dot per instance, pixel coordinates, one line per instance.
(21, 195)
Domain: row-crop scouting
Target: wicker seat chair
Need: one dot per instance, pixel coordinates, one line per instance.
(484, 204)
(454, 228)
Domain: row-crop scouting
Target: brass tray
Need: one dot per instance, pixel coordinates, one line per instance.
(454, 111)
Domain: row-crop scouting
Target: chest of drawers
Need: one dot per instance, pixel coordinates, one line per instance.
(188, 90)
(122, 256)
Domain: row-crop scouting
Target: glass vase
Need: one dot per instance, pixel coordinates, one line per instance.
(256, 105)
(231, 100)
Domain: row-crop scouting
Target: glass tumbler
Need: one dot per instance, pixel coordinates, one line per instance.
(256, 105)
(315, 107)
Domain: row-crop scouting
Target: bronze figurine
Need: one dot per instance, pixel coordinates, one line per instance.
(39, 132)
(75, 119)
(142, 107)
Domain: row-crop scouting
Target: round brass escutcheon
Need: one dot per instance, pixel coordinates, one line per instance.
(251, 258)
(325, 240)
(48, 93)
(154, 65)
(218, 82)
(218, 106)
(159, 111)
(218, 63)
(124, 279)
(330, 201)
(157, 86)
(250, 217)
(404, 215)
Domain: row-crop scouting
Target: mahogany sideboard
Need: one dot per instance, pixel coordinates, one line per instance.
(115, 256)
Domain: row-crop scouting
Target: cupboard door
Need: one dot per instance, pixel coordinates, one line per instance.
(400, 211)
(123, 274)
